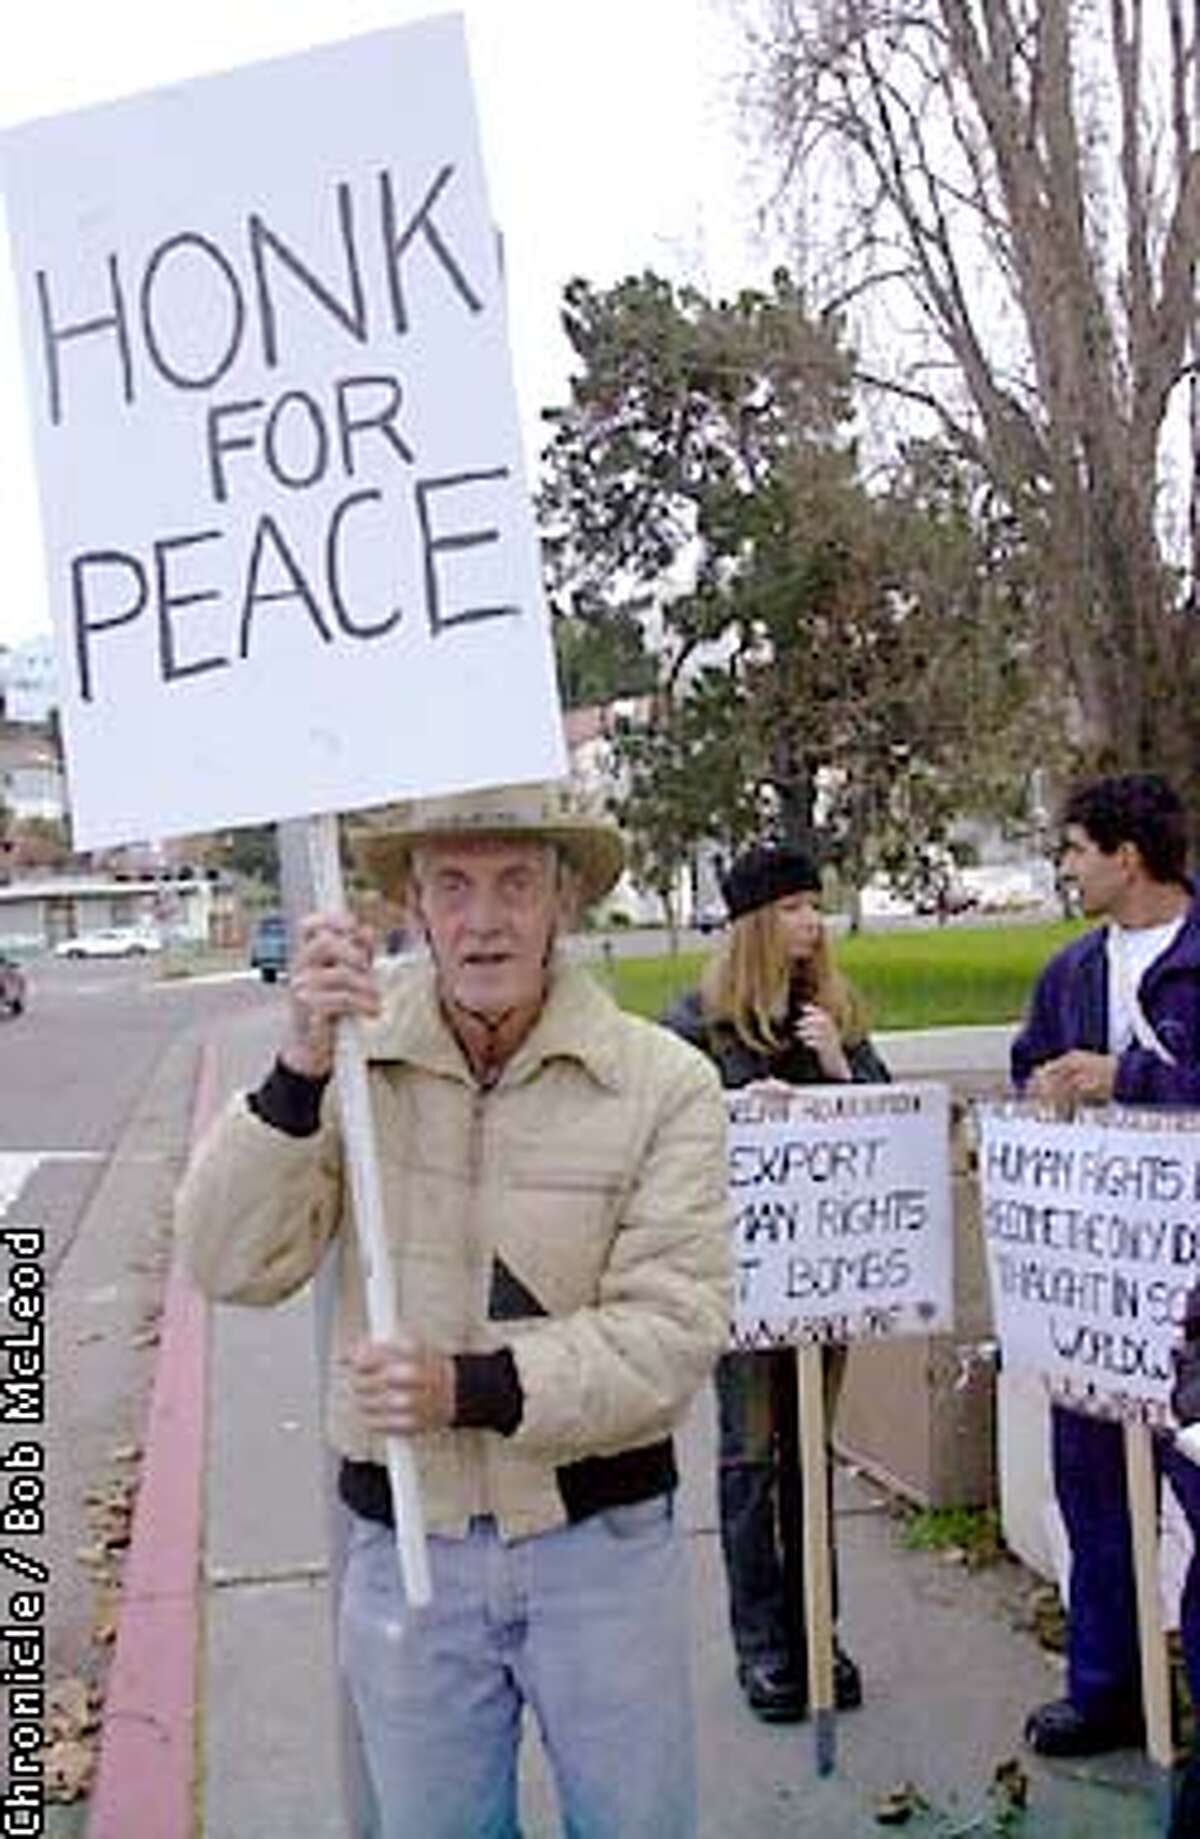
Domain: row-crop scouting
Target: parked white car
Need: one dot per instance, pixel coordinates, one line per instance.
(1002, 889)
(879, 901)
(110, 942)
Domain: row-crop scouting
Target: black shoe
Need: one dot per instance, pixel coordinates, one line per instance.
(847, 1681)
(773, 1691)
(1061, 1729)
(777, 1693)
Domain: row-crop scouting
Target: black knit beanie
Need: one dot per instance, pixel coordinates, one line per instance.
(765, 873)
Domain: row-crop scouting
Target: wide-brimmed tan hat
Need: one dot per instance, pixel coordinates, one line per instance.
(547, 812)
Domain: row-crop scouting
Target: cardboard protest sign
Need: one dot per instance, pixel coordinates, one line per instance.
(292, 563)
(1093, 1241)
(840, 1211)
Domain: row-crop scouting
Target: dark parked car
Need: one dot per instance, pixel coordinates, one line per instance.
(12, 986)
(269, 947)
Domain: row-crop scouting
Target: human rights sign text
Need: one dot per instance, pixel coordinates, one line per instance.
(1093, 1241)
(840, 1212)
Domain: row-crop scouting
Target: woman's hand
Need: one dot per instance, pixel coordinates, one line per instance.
(331, 976)
(817, 1029)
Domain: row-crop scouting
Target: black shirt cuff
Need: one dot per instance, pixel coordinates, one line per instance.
(289, 1101)
(487, 1392)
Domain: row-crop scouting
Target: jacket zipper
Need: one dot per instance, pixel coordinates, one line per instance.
(482, 1491)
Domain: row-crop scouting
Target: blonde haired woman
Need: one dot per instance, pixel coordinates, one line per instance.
(772, 1004)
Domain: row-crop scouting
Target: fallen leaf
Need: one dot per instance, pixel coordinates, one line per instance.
(68, 1769)
(1048, 1619)
(106, 1612)
(1011, 1783)
(70, 1707)
(110, 1514)
(897, 1805)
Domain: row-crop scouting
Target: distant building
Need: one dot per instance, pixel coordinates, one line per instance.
(36, 914)
(28, 680)
(588, 742)
(31, 776)
(589, 734)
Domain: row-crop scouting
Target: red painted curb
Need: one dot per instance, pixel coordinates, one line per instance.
(144, 1783)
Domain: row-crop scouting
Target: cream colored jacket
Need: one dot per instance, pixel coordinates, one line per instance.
(592, 1173)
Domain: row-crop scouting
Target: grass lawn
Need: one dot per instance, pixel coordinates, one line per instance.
(930, 977)
(940, 976)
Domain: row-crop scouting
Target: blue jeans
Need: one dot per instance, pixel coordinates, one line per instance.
(1103, 1669)
(764, 1625)
(586, 1624)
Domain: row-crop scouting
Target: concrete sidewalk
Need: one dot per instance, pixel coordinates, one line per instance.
(949, 1667)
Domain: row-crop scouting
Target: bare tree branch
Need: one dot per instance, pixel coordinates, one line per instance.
(1024, 173)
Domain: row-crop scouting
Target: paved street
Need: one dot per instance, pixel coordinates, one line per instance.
(96, 1078)
(74, 1065)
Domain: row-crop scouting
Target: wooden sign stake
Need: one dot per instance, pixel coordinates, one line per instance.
(818, 1580)
(1152, 1644)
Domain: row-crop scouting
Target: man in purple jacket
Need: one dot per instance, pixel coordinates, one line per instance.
(1115, 1017)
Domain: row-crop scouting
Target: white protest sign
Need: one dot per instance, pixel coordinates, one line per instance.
(1093, 1241)
(840, 1212)
(292, 560)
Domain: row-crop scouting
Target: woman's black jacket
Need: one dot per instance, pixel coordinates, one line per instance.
(740, 1065)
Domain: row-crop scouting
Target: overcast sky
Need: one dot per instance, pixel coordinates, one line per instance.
(609, 144)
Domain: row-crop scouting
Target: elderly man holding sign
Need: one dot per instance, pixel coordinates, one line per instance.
(553, 1177)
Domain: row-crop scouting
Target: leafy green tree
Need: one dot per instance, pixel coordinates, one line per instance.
(662, 465)
(679, 412)
(601, 659)
(251, 851)
(825, 649)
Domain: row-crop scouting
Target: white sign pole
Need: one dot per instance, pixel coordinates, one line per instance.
(358, 1139)
(1143, 1523)
(818, 1581)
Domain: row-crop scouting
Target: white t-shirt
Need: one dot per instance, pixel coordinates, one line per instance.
(1131, 952)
